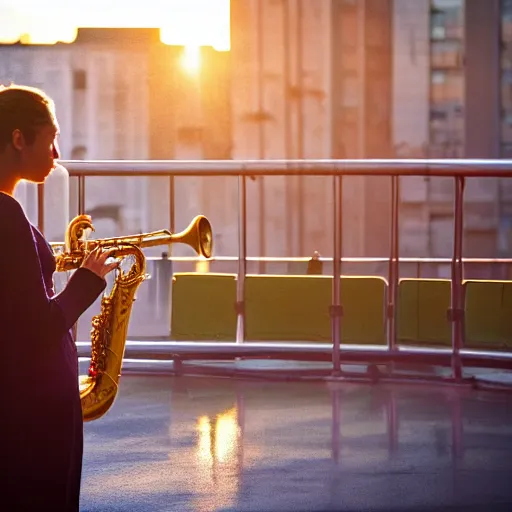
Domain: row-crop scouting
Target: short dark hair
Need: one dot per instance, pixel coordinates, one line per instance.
(26, 109)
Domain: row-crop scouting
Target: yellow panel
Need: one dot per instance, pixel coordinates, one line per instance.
(423, 312)
(287, 308)
(488, 313)
(296, 308)
(203, 307)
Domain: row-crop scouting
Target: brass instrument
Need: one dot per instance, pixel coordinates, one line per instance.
(98, 389)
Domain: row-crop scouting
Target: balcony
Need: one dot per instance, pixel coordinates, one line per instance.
(357, 321)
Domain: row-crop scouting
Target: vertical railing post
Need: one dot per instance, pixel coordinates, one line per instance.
(40, 207)
(336, 307)
(393, 268)
(81, 211)
(172, 227)
(456, 312)
(81, 194)
(172, 209)
(242, 259)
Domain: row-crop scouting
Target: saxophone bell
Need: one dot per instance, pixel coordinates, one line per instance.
(197, 235)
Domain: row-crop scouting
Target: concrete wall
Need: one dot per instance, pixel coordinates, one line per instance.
(281, 109)
(304, 79)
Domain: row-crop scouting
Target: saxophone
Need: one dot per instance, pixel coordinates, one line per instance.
(98, 389)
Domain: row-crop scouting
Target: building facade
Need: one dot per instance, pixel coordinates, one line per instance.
(303, 79)
(378, 79)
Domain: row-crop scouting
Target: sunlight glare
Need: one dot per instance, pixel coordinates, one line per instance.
(227, 434)
(204, 448)
(181, 22)
(218, 442)
(198, 23)
(191, 58)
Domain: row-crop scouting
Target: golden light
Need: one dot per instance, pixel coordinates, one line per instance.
(218, 442)
(227, 433)
(191, 58)
(197, 23)
(217, 456)
(202, 264)
(204, 448)
(181, 22)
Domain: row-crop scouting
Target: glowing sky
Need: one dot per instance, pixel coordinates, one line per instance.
(183, 22)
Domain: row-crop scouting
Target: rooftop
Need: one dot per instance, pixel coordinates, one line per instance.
(200, 443)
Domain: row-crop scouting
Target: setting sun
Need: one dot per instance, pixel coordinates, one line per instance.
(191, 58)
(191, 23)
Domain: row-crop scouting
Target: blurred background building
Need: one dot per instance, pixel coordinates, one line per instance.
(303, 79)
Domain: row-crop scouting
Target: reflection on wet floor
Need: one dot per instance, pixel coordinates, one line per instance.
(205, 444)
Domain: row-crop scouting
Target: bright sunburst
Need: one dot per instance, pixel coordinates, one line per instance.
(192, 23)
(191, 58)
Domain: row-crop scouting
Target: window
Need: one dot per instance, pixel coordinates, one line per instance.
(447, 88)
(447, 19)
(446, 55)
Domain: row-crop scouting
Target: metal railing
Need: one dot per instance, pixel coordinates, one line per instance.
(458, 170)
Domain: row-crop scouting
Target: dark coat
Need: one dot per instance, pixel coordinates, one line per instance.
(40, 416)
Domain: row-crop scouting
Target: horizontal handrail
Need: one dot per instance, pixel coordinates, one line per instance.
(270, 259)
(305, 259)
(401, 167)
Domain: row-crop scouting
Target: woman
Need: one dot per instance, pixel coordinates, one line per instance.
(41, 418)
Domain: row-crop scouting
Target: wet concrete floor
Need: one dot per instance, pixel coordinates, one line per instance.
(210, 444)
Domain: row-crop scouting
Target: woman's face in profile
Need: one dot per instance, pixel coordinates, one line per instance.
(39, 158)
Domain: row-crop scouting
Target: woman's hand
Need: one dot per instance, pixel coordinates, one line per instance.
(95, 262)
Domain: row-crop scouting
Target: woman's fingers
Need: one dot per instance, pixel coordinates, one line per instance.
(95, 261)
